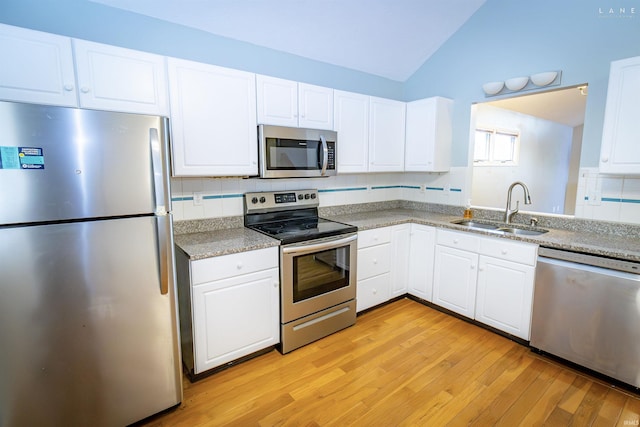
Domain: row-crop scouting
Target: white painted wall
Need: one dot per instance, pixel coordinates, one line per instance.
(545, 152)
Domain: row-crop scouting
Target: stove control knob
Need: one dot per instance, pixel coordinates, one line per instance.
(313, 195)
(306, 196)
(254, 200)
(263, 199)
(300, 196)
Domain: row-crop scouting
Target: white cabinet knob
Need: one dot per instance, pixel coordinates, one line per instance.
(455, 241)
(68, 87)
(239, 266)
(375, 261)
(504, 252)
(605, 159)
(473, 267)
(275, 284)
(374, 291)
(84, 89)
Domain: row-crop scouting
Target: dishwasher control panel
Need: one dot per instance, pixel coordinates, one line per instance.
(588, 259)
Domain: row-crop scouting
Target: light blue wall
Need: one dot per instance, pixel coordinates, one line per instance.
(91, 21)
(512, 38)
(505, 38)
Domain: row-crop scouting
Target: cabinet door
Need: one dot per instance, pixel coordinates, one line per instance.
(504, 295)
(386, 135)
(235, 317)
(351, 121)
(213, 112)
(421, 255)
(277, 101)
(454, 280)
(36, 67)
(374, 260)
(315, 106)
(372, 291)
(621, 133)
(400, 236)
(118, 79)
(429, 133)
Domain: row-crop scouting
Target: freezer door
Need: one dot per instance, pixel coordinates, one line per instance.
(64, 163)
(87, 336)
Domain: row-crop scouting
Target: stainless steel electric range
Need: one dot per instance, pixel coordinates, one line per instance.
(317, 264)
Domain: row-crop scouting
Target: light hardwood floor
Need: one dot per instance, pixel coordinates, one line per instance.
(403, 364)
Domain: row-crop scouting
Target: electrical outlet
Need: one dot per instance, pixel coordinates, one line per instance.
(197, 199)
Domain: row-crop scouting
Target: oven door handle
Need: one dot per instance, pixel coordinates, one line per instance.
(314, 247)
(325, 155)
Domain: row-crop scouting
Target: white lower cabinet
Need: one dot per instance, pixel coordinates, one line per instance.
(235, 307)
(486, 279)
(374, 267)
(454, 281)
(421, 261)
(400, 237)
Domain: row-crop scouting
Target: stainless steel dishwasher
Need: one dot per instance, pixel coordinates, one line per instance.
(586, 309)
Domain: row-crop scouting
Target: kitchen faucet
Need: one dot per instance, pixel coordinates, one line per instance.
(508, 212)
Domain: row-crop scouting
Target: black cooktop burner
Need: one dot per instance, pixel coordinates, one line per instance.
(290, 216)
(301, 230)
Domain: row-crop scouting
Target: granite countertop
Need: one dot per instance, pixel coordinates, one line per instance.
(598, 238)
(598, 243)
(206, 244)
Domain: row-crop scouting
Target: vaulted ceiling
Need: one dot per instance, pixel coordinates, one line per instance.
(387, 38)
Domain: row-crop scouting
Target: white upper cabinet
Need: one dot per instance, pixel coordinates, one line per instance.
(213, 112)
(119, 79)
(621, 134)
(429, 135)
(386, 135)
(287, 103)
(351, 120)
(36, 67)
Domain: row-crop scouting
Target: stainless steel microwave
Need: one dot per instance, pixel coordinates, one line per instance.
(286, 152)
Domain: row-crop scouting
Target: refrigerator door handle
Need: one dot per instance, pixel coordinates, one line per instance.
(157, 170)
(163, 228)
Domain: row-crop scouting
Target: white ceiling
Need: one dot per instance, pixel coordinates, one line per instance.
(565, 106)
(387, 38)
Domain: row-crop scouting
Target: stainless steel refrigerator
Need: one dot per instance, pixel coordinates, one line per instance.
(88, 317)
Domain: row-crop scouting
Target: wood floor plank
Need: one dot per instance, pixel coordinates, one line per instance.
(402, 364)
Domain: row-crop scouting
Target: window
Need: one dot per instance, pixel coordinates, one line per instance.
(496, 147)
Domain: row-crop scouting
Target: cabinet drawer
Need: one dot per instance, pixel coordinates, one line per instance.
(376, 236)
(372, 291)
(374, 261)
(520, 252)
(215, 268)
(453, 239)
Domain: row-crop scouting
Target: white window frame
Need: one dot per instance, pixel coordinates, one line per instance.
(490, 160)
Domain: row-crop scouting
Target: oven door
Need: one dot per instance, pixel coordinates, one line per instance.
(317, 274)
(292, 152)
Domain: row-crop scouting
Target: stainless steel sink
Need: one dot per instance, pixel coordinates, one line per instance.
(496, 228)
(475, 224)
(522, 231)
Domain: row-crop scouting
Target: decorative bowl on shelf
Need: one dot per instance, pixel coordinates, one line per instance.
(492, 88)
(544, 79)
(516, 83)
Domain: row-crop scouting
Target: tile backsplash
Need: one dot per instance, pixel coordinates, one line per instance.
(600, 197)
(608, 197)
(198, 198)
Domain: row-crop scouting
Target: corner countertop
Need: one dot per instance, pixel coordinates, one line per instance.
(205, 244)
(597, 243)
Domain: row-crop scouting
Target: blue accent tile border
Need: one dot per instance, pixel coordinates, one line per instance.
(618, 200)
(336, 190)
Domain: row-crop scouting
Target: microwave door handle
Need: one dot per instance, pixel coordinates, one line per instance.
(325, 155)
